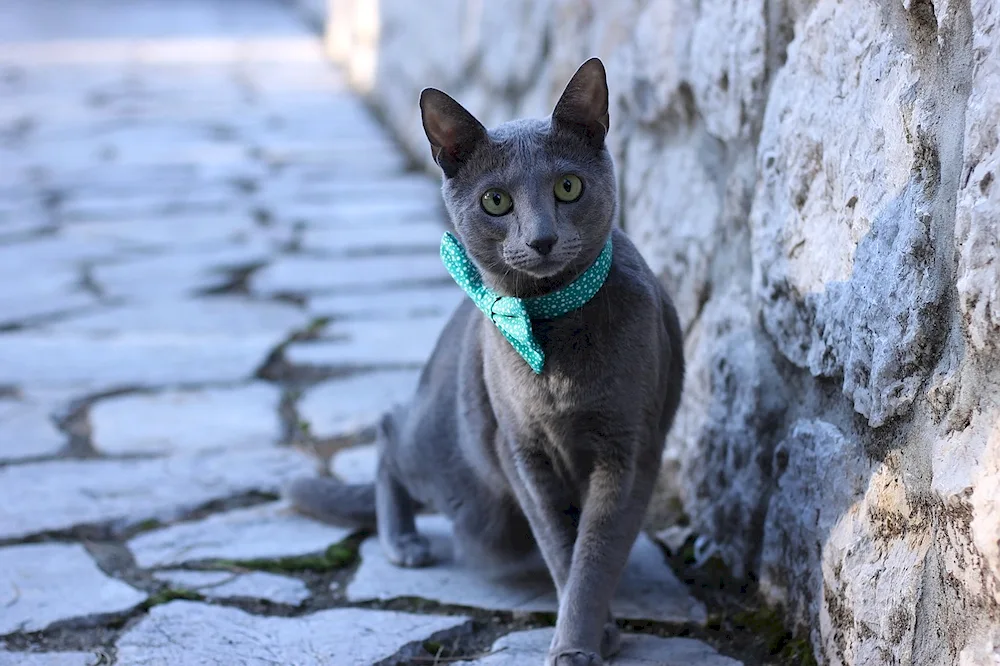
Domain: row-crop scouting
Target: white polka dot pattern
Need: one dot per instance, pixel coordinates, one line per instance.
(513, 315)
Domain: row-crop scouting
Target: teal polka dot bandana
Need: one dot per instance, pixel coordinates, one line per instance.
(513, 315)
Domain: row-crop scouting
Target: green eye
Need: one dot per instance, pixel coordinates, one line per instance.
(568, 188)
(496, 202)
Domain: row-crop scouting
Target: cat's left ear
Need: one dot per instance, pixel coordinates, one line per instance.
(583, 106)
(452, 131)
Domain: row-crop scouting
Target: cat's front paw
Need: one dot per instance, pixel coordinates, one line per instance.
(574, 658)
(409, 550)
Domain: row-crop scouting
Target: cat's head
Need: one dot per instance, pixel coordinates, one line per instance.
(532, 201)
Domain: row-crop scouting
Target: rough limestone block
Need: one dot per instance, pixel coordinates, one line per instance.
(728, 75)
(268, 531)
(184, 632)
(47, 582)
(966, 477)
(679, 252)
(802, 513)
(170, 422)
(837, 212)
(725, 441)
(225, 585)
(648, 588)
(977, 215)
(875, 566)
(513, 63)
(531, 647)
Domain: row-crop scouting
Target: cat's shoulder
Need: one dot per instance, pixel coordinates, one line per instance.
(630, 274)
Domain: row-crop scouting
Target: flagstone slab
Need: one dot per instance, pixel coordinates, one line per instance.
(391, 305)
(370, 343)
(262, 532)
(648, 590)
(370, 212)
(531, 647)
(304, 274)
(345, 406)
(356, 464)
(141, 225)
(33, 359)
(175, 274)
(53, 253)
(56, 292)
(413, 237)
(225, 585)
(211, 315)
(44, 583)
(185, 632)
(49, 659)
(61, 494)
(27, 429)
(291, 184)
(188, 421)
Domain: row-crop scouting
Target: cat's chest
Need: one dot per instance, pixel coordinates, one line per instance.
(575, 378)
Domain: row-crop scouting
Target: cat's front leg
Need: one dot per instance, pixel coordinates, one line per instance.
(612, 515)
(547, 503)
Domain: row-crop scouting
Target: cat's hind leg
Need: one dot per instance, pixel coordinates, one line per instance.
(395, 509)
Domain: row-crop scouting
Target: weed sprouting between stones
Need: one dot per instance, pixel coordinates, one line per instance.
(337, 556)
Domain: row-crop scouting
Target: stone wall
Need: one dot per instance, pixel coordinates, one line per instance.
(814, 182)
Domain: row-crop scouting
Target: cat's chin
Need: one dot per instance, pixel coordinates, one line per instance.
(541, 274)
(542, 271)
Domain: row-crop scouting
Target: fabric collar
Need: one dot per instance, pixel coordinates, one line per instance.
(513, 316)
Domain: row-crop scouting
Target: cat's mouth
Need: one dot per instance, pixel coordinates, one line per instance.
(541, 266)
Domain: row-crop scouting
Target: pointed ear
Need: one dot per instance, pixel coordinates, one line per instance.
(583, 106)
(452, 131)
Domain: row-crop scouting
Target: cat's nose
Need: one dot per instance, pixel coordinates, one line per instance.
(543, 244)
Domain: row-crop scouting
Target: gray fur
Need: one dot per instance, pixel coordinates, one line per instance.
(565, 461)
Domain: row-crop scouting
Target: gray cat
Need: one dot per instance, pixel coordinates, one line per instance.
(561, 460)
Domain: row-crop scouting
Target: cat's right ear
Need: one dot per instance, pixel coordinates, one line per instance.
(452, 131)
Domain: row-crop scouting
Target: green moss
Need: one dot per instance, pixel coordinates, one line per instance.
(546, 619)
(317, 325)
(337, 556)
(148, 524)
(769, 626)
(171, 594)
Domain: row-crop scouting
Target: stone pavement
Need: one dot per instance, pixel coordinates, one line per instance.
(215, 272)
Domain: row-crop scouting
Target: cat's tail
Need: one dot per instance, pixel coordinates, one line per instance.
(338, 503)
(334, 502)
